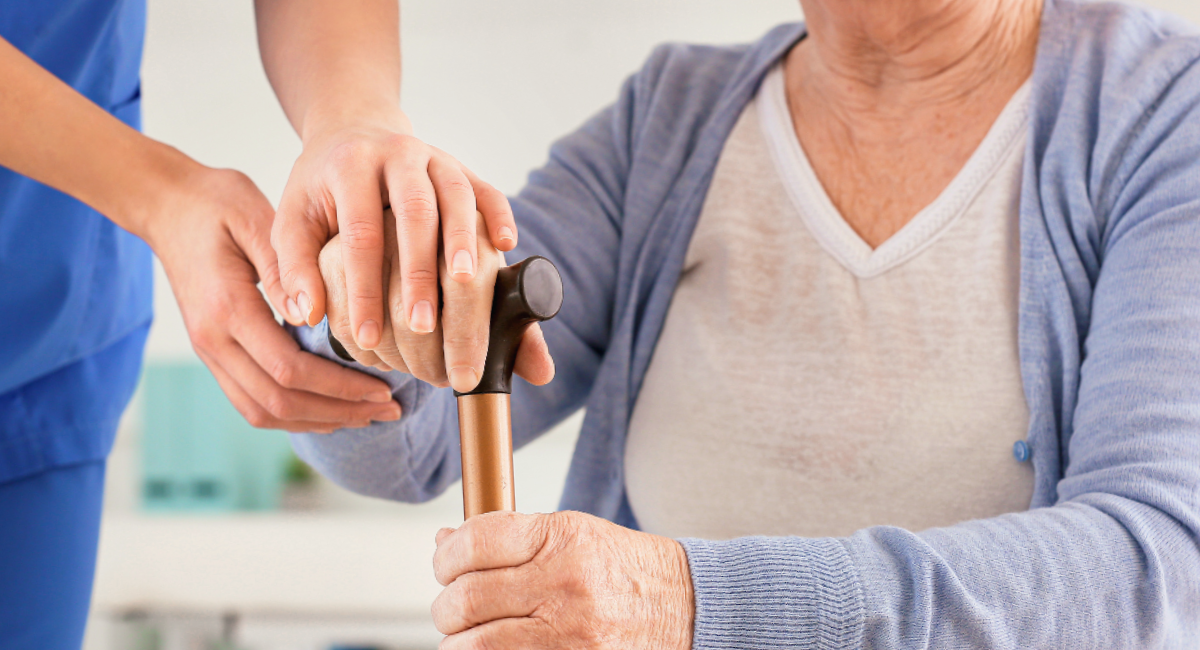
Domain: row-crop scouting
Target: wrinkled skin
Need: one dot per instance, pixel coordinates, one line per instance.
(561, 580)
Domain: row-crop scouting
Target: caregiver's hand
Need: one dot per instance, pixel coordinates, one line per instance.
(210, 228)
(455, 351)
(563, 580)
(212, 235)
(346, 176)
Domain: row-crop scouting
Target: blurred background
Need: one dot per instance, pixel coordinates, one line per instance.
(215, 537)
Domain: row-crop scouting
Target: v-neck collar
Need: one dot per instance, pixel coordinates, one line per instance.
(826, 222)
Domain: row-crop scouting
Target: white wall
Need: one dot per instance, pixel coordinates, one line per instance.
(491, 81)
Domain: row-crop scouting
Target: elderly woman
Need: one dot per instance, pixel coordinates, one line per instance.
(888, 330)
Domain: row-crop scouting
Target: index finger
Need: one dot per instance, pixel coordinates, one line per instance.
(291, 367)
(489, 541)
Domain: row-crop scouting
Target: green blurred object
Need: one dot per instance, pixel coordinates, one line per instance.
(298, 472)
(198, 453)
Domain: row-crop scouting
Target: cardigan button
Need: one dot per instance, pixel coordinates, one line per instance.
(1021, 451)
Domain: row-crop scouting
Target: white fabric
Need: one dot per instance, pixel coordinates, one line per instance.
(805, 384)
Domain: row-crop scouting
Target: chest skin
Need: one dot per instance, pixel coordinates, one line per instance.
(882, 162)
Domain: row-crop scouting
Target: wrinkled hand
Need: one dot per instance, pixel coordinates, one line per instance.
(563, 580)
(341, 184)
(215, 247)
(454, 353)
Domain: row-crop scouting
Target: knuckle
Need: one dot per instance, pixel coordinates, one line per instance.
(471, 551)
(350, 153)
(363, 294)
(460, 234)
(278, 405)
(217, 307)
(405, 143)
(441, 621)
(420, 278)
(468, 344)
(204, 339)
(456, 186)
(340, 326)
(468, 597)
(418, 208)
(284, 373)
(485, 189)
(363, 236)
(430, 372)
(288, 272)
(257, 418)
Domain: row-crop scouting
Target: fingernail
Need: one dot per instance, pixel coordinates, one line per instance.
(293, 312)
(306, 306)
(388, 413)
(463, 378)
(421, 320)
(379, 398)
(504, 233)
(462, 263)
(368, 335)
(442, 534)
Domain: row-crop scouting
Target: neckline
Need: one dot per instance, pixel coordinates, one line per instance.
(824, 220)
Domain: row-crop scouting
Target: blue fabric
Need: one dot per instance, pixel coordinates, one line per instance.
(48, 556)
(72, 283)
(1107, 556)
(70, 415)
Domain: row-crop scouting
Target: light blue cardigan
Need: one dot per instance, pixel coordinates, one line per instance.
(1107, 556)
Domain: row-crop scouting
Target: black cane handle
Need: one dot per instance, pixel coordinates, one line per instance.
(526, 292)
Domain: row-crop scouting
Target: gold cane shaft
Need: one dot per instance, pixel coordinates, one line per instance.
(485, 431)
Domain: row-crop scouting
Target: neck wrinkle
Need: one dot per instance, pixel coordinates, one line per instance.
(857, 59)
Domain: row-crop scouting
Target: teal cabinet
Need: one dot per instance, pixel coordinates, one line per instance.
(198, 453)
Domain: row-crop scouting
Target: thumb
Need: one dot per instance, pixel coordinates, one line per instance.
(298, 239)
(257, 247)
(534, 363)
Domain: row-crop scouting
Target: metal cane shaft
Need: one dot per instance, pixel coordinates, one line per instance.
(485, 431)
(527, 292)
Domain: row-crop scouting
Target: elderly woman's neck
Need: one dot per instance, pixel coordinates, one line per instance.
(890, 98)
(884, 54)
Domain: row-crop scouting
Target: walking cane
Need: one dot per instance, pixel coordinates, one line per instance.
(526, 292)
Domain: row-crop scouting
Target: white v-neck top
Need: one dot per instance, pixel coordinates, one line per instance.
(805, 384)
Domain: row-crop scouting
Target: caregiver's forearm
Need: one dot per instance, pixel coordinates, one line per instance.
(333, 64)
(54, 135)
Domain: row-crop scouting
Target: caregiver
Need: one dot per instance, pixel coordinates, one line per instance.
(891, 319)
(83, 195)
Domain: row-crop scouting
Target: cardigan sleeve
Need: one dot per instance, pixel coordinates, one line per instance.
(1113, 561)
(570, 213)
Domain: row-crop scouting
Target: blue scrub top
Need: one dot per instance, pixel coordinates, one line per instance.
(75, 289)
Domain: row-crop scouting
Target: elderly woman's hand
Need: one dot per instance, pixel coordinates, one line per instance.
(431, 357)
(563, 580)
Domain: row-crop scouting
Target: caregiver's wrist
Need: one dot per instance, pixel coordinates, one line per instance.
(159, 178)
(321, 122)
